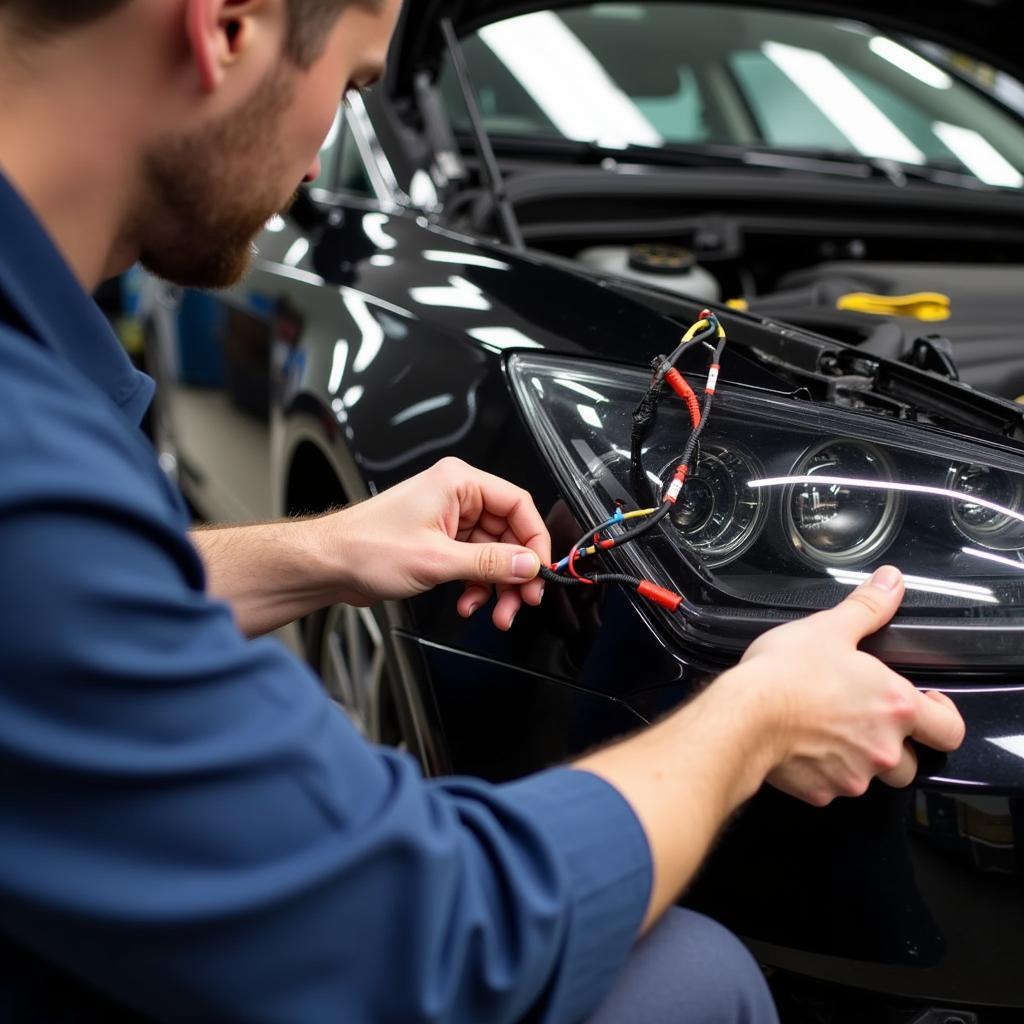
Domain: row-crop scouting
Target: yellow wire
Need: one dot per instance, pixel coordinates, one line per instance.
(636, 514)
(698, 326)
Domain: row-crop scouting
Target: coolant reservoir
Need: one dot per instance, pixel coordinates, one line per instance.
(662, 266)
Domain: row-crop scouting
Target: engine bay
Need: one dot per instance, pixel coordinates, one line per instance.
(791, 247)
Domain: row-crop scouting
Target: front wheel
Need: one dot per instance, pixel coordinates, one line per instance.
(345, 645)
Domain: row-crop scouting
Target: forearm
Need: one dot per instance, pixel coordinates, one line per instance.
(687, 775)
(272, 573)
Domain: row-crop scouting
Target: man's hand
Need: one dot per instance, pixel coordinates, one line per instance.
(451, 522)
(804, 709)
(844, 717)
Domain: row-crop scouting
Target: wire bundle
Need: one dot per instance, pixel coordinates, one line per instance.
(600, 538)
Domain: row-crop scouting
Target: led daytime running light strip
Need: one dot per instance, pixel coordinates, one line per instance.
(949, 588)
(992, 557)
(887, 485)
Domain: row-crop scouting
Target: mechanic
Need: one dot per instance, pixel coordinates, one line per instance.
(191, 830)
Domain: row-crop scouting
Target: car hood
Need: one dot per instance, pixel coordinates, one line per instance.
(986, 29)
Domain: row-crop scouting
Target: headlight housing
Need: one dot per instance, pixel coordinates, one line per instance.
(790, 503)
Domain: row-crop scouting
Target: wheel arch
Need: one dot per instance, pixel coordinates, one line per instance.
(315, 480)
(312, 485)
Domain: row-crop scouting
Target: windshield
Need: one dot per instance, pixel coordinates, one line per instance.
(658, 74)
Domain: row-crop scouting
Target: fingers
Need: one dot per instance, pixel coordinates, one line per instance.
(940, 698)
(511, 597)
(533, 592)
(869, 607)
(496, 504)
(506, 609)
(499, 540)
(487, 562)
(474, 597)
(939, 724)
(905, 771)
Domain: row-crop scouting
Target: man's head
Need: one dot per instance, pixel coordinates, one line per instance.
(309, 21)
(235, 98)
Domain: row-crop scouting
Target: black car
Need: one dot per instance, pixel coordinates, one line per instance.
(535, 205)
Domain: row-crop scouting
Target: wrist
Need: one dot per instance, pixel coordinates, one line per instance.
(329, 558)
(755, 714)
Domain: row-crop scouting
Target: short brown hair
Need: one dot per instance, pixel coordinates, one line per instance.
(308, 20)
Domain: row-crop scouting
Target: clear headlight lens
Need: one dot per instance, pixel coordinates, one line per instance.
(790, 503)
(979, 518)
(833, 524)
(716, 514)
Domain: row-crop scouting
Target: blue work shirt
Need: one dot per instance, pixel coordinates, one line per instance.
(190, 830)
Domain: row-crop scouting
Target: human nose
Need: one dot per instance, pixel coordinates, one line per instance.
(313, 173)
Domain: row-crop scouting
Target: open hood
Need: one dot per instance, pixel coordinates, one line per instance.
(990, 30)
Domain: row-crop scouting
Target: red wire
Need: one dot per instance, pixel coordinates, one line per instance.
(681, 387)
(572, 566)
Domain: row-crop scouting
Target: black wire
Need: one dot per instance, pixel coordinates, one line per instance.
(646, 413)
(627, 537)
(709, 397)
(691, 443)
(617, 577)
(556, 577)
(648, 524)
(604, 577)
(711, 329)
(584, 542)
(644, 417)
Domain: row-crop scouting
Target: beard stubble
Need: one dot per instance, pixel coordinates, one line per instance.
(209, 193)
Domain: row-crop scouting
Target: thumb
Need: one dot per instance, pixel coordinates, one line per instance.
(492, 563)
(870, 606)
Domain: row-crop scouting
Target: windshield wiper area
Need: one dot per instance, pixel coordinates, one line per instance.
(859, 165)
(704, 154)
(825, 161)
(635, 156)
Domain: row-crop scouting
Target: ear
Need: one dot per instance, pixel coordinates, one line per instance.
(219, 31)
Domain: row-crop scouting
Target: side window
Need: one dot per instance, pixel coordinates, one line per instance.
(341, 164)
(352, 176)
(329, 154)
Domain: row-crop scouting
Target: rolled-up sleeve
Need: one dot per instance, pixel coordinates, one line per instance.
(189, 824)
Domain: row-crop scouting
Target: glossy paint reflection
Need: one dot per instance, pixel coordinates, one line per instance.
(398, 366)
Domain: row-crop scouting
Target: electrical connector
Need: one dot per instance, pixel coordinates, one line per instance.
(668, 599)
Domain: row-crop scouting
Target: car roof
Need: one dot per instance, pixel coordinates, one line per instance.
(990, 30)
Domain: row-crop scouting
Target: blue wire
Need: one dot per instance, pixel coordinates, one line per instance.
(619, 517)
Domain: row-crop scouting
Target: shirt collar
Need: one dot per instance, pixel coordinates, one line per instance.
(41, 288)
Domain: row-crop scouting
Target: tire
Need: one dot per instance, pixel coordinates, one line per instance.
(345, 646)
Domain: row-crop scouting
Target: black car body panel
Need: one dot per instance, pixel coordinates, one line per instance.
(374, 336)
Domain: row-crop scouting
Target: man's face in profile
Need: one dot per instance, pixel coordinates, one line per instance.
(210, 191)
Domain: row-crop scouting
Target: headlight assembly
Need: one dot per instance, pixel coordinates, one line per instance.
(788, 504)
(834, 524)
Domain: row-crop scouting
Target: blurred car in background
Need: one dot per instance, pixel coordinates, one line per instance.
(532, 206)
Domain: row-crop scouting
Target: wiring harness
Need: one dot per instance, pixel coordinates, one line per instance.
(615, 531)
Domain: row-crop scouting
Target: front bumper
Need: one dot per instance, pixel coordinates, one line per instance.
(908, 895)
